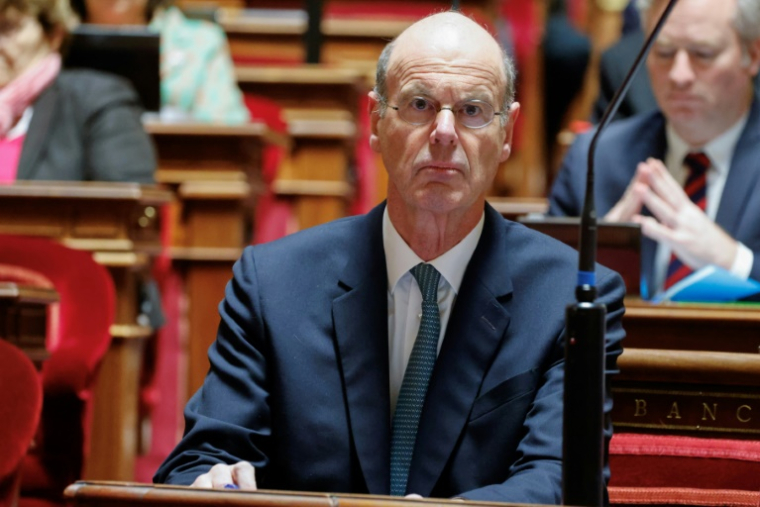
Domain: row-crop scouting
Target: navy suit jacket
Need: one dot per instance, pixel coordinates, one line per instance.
(633, 140)
(299, 383)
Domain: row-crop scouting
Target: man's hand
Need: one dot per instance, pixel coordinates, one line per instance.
(633, 199)
(241, 474)
(680, 224)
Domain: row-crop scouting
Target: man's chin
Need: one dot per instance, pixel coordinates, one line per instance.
(685, 117)
(443, 200)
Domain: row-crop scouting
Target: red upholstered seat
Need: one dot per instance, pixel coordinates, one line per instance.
(20, 408)
(677, 470)
(77, 345)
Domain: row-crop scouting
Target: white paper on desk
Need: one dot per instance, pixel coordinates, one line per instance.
(710, 284)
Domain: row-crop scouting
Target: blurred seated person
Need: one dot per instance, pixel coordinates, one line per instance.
(689, 172)
(58, 124)
(197, 74)
(614, 65)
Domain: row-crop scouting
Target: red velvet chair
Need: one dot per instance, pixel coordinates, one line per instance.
(77, 342)
(20, 408)
(688, 471)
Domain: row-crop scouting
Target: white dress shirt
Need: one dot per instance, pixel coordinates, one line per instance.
(22, 125)
(720, 151)
(405, 299)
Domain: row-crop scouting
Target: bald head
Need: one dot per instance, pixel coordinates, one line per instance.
(449, 36)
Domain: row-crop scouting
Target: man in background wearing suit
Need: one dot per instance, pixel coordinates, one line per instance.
(689, 173)
(331, 339)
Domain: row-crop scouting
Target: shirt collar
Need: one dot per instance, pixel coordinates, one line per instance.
(400, 258)
(720, 150)
(22, 125)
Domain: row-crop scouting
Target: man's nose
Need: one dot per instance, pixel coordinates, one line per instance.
(681, 72)
(445, 128)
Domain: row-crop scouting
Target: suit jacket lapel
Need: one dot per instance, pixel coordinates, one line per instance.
(742, 175)
(34, 143)
(361, 330)
(476, 327)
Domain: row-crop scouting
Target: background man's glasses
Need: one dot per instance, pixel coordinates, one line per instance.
(472, 114)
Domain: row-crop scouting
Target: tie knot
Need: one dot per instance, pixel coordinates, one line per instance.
(698, 163)
(427, 278)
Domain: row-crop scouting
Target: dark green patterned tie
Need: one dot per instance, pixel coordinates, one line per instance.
(411, 396)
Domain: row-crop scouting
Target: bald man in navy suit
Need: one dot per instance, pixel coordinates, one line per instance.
(308, 368)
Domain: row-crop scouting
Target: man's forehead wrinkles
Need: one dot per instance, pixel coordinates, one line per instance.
(442, 76)
(453, 67)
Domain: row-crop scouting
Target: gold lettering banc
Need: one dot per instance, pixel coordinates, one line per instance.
(686, 410)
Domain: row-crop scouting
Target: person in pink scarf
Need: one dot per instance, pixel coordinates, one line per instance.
(62, 124)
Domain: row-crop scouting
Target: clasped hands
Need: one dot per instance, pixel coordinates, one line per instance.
(676, 221)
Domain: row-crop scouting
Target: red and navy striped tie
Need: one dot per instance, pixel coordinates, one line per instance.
(696, 188)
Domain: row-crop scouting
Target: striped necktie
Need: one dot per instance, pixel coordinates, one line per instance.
(411, 396)
(696, 188)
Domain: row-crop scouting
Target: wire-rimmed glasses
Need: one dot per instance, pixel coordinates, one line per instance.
(474, 114)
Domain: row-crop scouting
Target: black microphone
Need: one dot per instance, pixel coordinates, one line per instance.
(583, 418)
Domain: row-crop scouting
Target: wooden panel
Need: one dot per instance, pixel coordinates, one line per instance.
(320, 104)
(205, 283)
(719, 328)
(114, 425)
(689, 369)
(118, 223)
(24, 318)
(215, 172)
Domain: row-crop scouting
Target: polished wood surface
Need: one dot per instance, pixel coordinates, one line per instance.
(689, 369)
(513, 208)
(107, 494)
(215, 173)
(104, 217)
(119, 223)
(24, 318)
(320, 105)
(682, 326)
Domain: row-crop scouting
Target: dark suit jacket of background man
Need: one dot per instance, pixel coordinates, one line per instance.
(86, 126)
(613, 67)
(626, 143)
(303, 350)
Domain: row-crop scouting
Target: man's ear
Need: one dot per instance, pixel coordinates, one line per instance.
(753, 52)
(509, 128)
(374, 115)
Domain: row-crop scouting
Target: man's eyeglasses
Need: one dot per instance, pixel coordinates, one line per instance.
(472, 114)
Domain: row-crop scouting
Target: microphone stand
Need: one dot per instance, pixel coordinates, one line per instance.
(583, 417)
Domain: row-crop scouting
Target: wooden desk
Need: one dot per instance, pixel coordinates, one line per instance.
(690, 369)
(214, 171)
(108, 494)
(118, 222)
(256, 34)
(513, 208)
(350, 39)
(320, 104)
(24, 318)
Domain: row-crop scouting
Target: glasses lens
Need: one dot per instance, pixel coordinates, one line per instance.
(475, 114)
(417, 111)
(472, 114)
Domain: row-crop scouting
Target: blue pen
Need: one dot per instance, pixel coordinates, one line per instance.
(231, 486)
